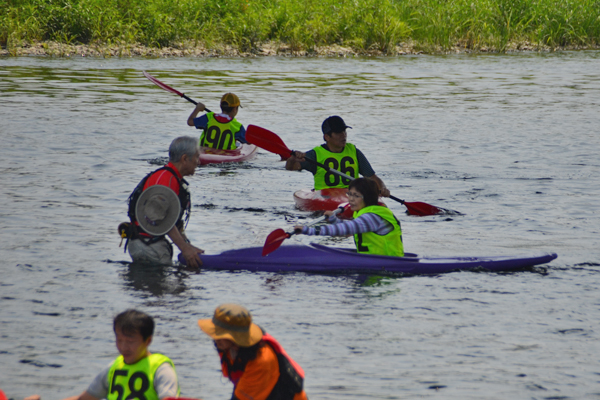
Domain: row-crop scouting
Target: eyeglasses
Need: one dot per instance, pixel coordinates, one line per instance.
(354, 195)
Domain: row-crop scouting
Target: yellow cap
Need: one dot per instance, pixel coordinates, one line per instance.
(230, 100)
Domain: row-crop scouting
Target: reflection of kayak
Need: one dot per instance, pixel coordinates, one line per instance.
(323, 200)
(319, 258)
(213, 156)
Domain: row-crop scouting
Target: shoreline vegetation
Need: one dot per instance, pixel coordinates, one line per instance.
(247, 28)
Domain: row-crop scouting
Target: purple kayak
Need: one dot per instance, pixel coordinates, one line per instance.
(322, 259)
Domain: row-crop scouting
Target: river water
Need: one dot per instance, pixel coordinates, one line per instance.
(511, 141)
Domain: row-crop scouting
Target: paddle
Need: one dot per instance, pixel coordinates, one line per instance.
(277, 237)
(269, 141)
(170, 89)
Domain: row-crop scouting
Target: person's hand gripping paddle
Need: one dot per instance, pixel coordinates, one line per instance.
(276, 238)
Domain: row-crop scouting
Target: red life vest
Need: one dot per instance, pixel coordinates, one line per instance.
(280, 350)
(291, 375)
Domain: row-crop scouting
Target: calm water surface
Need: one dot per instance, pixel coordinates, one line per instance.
(511, 141)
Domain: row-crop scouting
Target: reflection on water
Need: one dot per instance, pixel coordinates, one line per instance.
(155, 280)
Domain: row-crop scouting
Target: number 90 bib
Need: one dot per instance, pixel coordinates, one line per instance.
(219, 135)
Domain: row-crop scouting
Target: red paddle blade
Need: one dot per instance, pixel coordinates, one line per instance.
(422, 209)
(265, 139)
(274, 240)
(162, 85)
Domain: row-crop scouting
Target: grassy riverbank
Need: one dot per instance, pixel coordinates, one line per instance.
(212, 27)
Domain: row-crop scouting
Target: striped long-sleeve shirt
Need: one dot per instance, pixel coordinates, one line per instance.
(368, 222)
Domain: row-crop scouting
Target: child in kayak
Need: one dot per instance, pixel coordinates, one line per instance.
(136, 373)
(220, 130)
(376, 230)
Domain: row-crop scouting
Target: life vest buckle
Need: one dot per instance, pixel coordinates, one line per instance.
(124, 231)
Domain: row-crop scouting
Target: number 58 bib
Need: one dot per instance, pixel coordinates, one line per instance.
(135, 381)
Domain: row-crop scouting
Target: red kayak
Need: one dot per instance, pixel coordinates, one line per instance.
(324, 200)
(209, 155)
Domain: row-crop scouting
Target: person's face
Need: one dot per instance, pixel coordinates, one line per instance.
(132, 347)
(356, 200)
(189, 164)
(225, 344)
(336, 140)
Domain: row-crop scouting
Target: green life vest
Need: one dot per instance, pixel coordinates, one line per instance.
(372, 243)
(219, 135)
(346, 162)
(135, 381)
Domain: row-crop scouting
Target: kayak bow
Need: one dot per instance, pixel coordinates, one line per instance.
(209, 155)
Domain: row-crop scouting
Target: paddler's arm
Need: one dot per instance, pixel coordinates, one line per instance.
(189, 252)
(199, 108)
(383, 190)
(367, 222)
(293, 163)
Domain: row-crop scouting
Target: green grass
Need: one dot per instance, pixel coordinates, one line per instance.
(304, 25)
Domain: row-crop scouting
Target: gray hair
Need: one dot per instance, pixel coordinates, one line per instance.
(182, 145)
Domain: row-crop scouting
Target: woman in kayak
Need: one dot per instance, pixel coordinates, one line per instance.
(376, 230)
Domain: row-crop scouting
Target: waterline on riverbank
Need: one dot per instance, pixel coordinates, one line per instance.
(56, 49)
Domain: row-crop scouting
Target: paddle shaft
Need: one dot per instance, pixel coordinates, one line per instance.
(315, 221)
(328, 169)
(170, 89)
(397, 199)
(192, 101)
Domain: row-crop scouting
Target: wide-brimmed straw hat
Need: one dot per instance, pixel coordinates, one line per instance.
(233, 322)
(157, 210)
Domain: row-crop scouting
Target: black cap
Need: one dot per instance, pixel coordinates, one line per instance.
(334, 124)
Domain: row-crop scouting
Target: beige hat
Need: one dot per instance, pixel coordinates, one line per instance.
(157, 210)
(233, 322)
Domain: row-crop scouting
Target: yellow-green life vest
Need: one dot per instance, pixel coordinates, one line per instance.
(219, 135)
(135, 381)
(372, 243)
(346, 162)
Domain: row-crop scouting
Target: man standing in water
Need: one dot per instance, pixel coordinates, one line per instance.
(160, 206)
(220, 130)
(337, 154)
